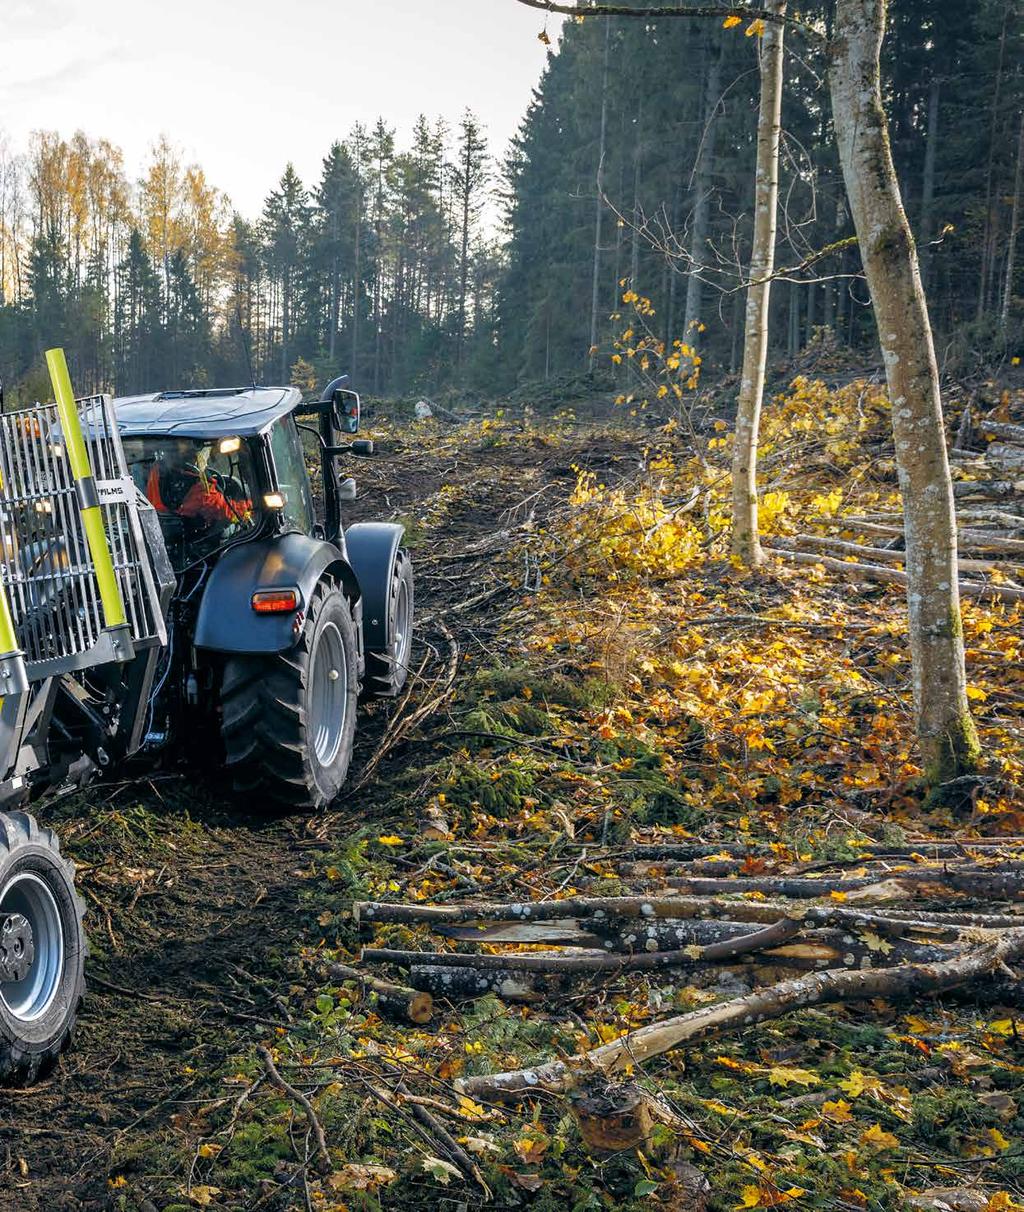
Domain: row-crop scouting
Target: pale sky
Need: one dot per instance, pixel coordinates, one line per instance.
(243, 86)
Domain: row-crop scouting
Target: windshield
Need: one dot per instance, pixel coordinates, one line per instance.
(204, 492)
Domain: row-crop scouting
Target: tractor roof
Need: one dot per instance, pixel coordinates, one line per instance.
(217, 413)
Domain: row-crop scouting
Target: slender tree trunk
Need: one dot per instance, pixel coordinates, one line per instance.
(702, 183)
(948, 740)
(1011, 241)
(466, 185)
(989, 233)
(595, 294)
(746, 541)
(794, 319)
(357, 289)
(638, 151)
(928, 182)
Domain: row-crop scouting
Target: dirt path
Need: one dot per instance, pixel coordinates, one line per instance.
(196, 911)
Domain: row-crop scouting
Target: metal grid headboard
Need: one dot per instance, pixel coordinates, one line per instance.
(46, 564)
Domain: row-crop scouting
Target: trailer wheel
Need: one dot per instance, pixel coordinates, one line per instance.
(289, 720)
(42, 949)
(387, 671)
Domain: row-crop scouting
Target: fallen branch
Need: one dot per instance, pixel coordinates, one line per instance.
(414, 1005)
(841, 949)
(323, 1157)
(429, 1130)
(467, 984)
(555, 1077)
(1001, 429)
(998, 882)
(889, 556)
(365, 912)
(968, 536)
(431, 700)
(624, 935)
(989, 489)
(686, 851)
(875, 572)
(593, 911)
(647, 961)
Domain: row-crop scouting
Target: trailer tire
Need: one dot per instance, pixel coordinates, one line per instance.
(38, 1012)
(289, 719)
(387, 671)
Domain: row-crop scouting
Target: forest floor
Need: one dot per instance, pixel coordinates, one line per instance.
(592, 672)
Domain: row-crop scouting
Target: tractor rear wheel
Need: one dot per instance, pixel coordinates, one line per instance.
(388, 671)
(42, 949)
(289, 720)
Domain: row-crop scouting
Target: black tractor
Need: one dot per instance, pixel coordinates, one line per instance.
(280, 620)
(171, 586)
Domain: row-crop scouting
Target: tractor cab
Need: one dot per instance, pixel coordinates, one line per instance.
(223, 466)
(217, 466)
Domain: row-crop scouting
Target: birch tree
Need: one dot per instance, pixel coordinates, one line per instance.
(948, 739)
(746, 541)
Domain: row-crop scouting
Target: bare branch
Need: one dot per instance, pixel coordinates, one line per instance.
(679, 10)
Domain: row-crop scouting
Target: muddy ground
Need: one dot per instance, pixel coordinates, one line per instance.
(196, 907)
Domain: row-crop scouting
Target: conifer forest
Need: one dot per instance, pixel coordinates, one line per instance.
(512, 650)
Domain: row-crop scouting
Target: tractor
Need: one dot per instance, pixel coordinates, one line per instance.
(173, 587)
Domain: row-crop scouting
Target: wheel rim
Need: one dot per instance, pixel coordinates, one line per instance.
(403, 625)
(329, 695)
(31, 997)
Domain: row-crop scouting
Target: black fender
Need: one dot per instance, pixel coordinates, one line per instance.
(227, 621)
(372, 549)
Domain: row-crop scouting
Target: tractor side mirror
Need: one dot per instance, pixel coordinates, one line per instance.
(346, 410)
(363, 448)
(347, 490)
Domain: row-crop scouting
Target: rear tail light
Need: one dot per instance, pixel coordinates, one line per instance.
(275, 601)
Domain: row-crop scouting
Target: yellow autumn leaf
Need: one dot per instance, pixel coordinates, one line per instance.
(857, 1083)
(998, 1139)
(207, 1151)
(877, 1137)
(755, 29)
(763, 1197)
(838, 1112)
(203, 1196)
(471, 1109)
(1003, 1201)
(391, 840)
(792, 1077)
(876, 943)
(531, 1149)
(731, 21)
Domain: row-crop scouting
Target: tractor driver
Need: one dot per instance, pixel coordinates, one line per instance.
(180, 482)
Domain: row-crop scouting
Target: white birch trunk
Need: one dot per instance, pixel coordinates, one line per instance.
(948, 740)
(746, 542)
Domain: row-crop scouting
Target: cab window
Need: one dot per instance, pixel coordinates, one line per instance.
(292, 479)
(204, 493)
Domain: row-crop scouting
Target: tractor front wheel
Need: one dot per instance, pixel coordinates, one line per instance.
(387, 671)
(289, 720)
(42, 949)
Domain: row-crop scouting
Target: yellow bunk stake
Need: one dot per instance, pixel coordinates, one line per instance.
(13, 676)
(114, 617)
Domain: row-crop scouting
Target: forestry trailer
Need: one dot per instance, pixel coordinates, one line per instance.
(169, 585)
